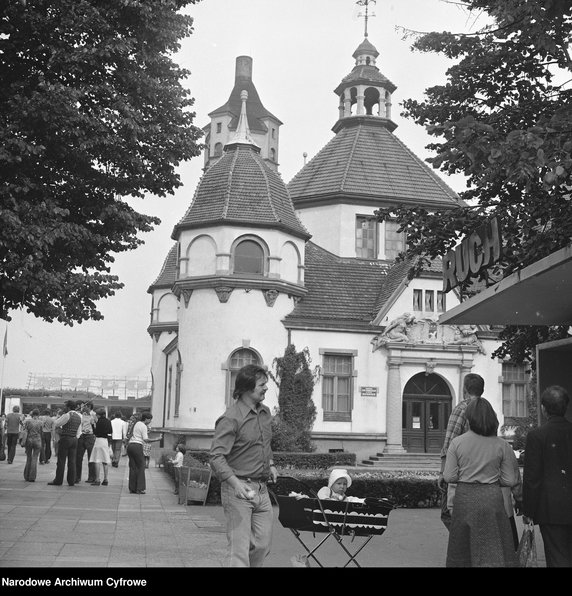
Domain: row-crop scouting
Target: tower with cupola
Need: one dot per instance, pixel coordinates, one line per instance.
(235, 271)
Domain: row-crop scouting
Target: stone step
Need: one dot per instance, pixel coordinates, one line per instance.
(400, 465)
(404, 461)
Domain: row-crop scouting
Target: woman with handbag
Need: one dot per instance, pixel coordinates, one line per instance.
(32, 443)
(479, 463)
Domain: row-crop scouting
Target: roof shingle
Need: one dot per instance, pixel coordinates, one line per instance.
(365, 158)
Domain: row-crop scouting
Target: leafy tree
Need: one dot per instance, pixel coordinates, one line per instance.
(504, 120)
(293, 422)
(92, 111)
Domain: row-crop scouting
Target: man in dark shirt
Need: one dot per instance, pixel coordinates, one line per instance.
(69, 422)
(241, 458)
(547, 492)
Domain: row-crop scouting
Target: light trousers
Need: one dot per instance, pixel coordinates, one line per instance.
(248, 525)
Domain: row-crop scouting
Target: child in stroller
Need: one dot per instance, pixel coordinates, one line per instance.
(338, 483)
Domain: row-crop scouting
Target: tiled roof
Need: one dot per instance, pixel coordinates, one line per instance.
(395, 276)
(241, 189)
(255, 111)
(339, 289)
(168, 273)
(364, 158)
(367, 73)
(366, 47)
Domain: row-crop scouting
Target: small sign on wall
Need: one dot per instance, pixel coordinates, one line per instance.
(368, 391)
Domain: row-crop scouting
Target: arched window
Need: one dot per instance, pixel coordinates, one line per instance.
(218, 149)
(249, 258)
(371, 101)
(238, 359)
(273, 154)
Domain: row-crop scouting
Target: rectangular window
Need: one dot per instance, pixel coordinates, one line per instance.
(515, 380)
(366, 237)
(424, 301)
(219, 127)
(417, 298)
(429, 300)
(337, 387)
(394, 240)
(441, 302)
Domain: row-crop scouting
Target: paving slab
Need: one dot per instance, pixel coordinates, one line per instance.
(106, 530)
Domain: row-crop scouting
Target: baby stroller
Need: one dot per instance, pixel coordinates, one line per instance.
(336, 519)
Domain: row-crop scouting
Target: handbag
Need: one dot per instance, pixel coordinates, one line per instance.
(23, 437)
(526, 552)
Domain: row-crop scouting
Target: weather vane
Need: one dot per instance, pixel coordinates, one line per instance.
(366, 15)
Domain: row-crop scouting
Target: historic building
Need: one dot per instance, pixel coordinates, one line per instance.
(257, 264)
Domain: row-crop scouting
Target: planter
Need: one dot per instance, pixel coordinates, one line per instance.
(194, 485)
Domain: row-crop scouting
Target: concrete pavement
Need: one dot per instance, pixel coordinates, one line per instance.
(94, 528)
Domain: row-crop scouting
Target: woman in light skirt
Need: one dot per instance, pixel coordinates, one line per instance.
(100, 452)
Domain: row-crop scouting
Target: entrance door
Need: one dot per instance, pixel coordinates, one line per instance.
(426, 408)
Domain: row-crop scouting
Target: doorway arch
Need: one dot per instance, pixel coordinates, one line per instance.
(426, 408)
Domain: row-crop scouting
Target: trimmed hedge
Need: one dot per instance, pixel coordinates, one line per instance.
(408, 489)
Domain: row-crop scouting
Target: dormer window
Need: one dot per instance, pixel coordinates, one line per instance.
(249, 258)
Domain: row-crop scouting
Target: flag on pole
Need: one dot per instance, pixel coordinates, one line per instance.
(5, 348)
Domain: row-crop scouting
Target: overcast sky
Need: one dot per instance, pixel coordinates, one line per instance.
(301, 50)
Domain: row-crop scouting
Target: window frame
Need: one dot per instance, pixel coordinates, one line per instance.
(512, 385)
(336, 415)
(373, 233)
(386, 240)
(263, 261)
(232, 370)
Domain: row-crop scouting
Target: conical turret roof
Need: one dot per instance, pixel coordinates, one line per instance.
(240, 189)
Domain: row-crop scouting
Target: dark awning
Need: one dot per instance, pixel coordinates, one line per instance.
(540, 294)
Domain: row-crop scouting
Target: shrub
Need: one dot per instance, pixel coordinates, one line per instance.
(293, 420)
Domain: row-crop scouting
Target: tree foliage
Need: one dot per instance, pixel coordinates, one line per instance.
(293, 422)
(504, 120)
(92, 112)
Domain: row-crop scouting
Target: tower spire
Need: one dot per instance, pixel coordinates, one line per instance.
(242, 135)
(366, 14)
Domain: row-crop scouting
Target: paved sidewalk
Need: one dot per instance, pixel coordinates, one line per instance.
(92, 527)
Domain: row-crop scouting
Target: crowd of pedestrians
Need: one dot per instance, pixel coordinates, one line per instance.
(76, 434)
(482, 487)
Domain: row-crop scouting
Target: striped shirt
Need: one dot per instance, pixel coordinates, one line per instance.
(456, 426)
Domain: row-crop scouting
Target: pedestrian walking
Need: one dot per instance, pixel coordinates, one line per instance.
(242, 459)
(138, 438)
(32, 443)
(117, 437)
(14, 421)
(478, 463)
(86, 441)
(547, 491)
(69, 423)
(100, 457)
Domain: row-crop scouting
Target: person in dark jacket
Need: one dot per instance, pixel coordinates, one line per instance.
(69, 423)
(547, 484)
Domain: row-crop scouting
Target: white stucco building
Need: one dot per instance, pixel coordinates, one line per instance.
(257, 264)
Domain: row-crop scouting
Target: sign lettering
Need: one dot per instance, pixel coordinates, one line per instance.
(476, 252)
